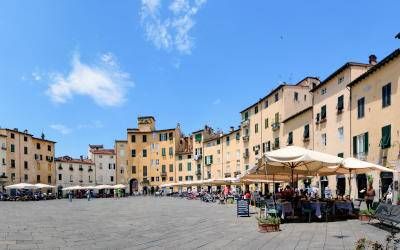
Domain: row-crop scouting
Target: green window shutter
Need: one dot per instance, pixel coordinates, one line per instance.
(354, 145)
(385, 141)
(198, 138)
(366, 142)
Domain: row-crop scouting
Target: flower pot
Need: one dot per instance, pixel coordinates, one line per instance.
(363, 217)
(266, 228)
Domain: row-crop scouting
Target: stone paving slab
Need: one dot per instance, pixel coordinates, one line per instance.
(161, 223)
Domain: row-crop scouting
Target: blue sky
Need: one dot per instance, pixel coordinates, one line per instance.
(82, 71)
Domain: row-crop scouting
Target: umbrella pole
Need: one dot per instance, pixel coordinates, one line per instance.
(350, 185)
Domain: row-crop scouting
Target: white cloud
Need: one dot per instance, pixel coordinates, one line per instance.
(217, 101)
(102, 81)
(61, 128)
(91, 125)
(171, 31)
(36, 76)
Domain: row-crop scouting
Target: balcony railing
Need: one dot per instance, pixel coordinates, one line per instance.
(198, 172)
(163, 174)
(275, 126)
(4, 147)
(245, 138)
(245, 123)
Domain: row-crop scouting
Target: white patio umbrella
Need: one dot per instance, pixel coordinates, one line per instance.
(120, 186)
(354, 166)
(297, 160)
(21, 186)
(222, 181)
(41, 185)
(72, 188)
(103, 187)
(88, 187)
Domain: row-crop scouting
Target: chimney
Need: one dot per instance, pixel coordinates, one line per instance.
(372, 59)
(81, 157)
(232, 128)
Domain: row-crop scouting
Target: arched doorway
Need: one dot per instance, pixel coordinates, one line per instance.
(133, 186)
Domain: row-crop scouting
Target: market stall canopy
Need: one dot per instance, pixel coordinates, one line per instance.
(120, 186)
(88, 187)
(21, 186)
(41, 185)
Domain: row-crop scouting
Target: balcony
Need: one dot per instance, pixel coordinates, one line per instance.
(245, 155)
(245, 138)
(3, 147)
(306, 139)
(198, 172)
(90, 170)
(197, 157)
(236, 173)
(163, 174)
(275, 126)
(228, 175)
(245, 123)
(71, 168)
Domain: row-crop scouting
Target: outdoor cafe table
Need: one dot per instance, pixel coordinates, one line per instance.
(285, 208)
(315, 206)
(343, 205)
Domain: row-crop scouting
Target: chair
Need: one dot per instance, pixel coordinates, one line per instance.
(271, 208)
(326, 210)
(307, 209)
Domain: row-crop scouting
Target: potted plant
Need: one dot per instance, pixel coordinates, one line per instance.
(365, 214)
(268, 224)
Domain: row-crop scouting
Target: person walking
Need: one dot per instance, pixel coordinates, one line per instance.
(70, 196)
(88, 194)
(369, 196)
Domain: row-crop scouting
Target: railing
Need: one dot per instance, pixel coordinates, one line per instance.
(245, 138)
(198, 172)
(163, 174)
(275, 126)
(245, 123)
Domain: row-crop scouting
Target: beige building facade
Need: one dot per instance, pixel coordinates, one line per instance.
(27, 158)
(375, 123)
(72, 172)
(105, 164)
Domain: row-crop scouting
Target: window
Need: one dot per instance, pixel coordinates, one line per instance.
(238, 136)
(266, 123)
(111, 178)
(163, 169)
(12, 163)
(266, 104)
(144, 152)
(144, 170)
(256, 128)
(386, 95)
(198, 137)
(180, 178)
(144, 138)
(152, 179)
(180, 167)
(25, 177)
(360, 144)
(256, 109)
(37, 145)
(25, 165)
(48, 147)
(306, 133)
(12, 135)
(189, 166)
(227, 140)
(277, 117)
(276, 97)
(323, 139)
(133, 169)
(163, 153)
(340, 79)
(60, 177)
(25, 138)
(218, 141)
(171, 136)
(276, 143)
(385, 140)
(323, 91)
(361, 107)
(323, 112)
(133, 138)
(163, 137)
(12, 148)
(171, 151)
(341, 155)
(180, 157)
(133, 152)
(296, 96)
(171, 168)
(38, 178)
(25, 150)
(246, 115)
(13, 176)
(290, 138)
(340, 103)
(171, 178)
(208, 159)
(341, 134)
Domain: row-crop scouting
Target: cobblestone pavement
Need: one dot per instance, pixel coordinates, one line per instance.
(161, 223)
